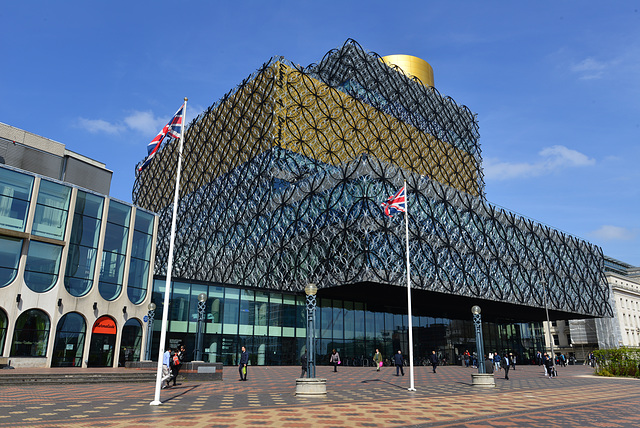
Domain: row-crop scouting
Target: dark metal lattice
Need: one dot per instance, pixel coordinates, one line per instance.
(284, 176)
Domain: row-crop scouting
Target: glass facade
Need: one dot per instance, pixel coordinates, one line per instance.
(140, 261)
(69, 343)
(272, 325)
(52, 210)
(10, 249)
(114, 250)
(15, 197)
(83, 244)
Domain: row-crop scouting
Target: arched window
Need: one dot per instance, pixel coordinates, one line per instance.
(10, 249)
(31, 334)
(131, 341)
(83, 244)
(43, 265)
(4, 323)
(114, 250)
(69, 343)
(140, 263)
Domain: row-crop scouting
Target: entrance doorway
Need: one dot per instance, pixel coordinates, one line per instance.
(103, 342)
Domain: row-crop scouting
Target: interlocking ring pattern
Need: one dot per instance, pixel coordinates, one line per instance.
(284, 176)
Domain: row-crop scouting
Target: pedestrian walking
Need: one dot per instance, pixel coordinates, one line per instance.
(506, 366)
(176, 363)
(244, 361)
(434, 360)
(512, 361)
(488, 365)
(377, 359)
(335, 359)
(398, 360)
(467, 358)
(166, 367)
(303, 362)
(496, 361)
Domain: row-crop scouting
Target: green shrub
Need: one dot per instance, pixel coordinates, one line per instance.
(618, 362)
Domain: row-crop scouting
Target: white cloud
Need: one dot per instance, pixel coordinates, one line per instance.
(96, 126)
(144, 121)
(614, 233)
(590, 68)
(553, 158)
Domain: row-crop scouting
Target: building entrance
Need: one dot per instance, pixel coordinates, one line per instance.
(103, 341)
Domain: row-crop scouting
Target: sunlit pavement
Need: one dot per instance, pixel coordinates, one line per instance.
(357, 396)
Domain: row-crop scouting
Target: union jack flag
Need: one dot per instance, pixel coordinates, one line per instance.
(173, 129)
(396, 203)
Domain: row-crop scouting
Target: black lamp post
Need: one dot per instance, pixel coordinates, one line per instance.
(311, 290)
(477, 323)
(202, 304)
(152, 312)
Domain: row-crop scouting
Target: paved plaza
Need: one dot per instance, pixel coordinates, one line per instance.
(357, 397)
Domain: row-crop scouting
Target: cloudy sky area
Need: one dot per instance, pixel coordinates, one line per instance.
(554, 85)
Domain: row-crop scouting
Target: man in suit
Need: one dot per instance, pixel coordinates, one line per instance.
(244, 360)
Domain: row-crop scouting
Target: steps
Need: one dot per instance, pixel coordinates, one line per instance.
(138, 376)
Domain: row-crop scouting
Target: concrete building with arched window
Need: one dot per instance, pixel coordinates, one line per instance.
(75, 264)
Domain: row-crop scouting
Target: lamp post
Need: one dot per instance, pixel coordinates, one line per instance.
(311, 290)
(202, 304)
(546, 309)
(152, 312)
(477, 323)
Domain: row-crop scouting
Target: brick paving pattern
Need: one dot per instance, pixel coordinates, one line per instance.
(357, 397)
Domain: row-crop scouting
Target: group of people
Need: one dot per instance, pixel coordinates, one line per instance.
(171, 363)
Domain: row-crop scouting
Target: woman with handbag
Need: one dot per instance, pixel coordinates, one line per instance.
(335, 360)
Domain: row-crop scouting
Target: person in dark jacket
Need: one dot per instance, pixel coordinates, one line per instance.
(488, 365)
(398, 360)
(244, 360)
(506, 364)
(434, 360)
(303, 363)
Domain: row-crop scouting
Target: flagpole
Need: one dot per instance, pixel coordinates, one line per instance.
(167, 288)
(406, 229)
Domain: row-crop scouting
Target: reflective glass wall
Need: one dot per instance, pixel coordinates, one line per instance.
(272, 325)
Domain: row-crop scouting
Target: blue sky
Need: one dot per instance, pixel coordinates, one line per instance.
(554, 84)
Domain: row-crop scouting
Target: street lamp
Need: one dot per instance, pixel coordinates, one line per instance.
(202, 304)
(311, 290)
(477, 323)
(546, 309)
(152, 312)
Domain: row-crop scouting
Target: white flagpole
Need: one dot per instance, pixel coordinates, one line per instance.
(167, 288)
(406, 228)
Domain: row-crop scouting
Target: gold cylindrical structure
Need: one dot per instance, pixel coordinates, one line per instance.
(412, 66)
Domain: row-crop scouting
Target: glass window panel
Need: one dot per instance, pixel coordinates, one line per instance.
(141, 246)
(89, 205)
(349, 320)
(119, 213)
(111, 274)
(138, 280)
(231, 311)
(261, 310)
(50, 219)
(247, 311)
(15, 196)
(69, 342)
(43, 264)
(289, 311)
(338, 321)
(31, 334)
(326, 318)
(10, 249)
(115, 239)
(144, 222)
(275, 314)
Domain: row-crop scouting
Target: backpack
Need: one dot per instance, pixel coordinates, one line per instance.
(176, 360)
